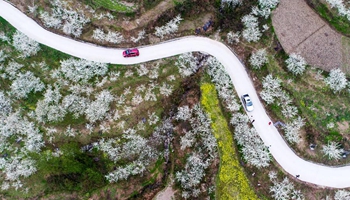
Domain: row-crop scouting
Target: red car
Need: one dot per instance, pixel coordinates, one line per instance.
(131, 53)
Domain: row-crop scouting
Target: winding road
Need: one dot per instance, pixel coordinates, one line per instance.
(337, 177)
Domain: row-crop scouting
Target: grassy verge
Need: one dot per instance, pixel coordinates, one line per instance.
(232, 182)
(112, 5)
(341, 24)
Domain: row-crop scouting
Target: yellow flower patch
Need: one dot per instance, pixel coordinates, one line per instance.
(232, 183)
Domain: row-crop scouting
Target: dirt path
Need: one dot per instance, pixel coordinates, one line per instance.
(301, 30)
(167, 194)
(149, 15)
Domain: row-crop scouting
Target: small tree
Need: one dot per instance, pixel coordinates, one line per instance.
(233, 37)
(342, 8)
(183, 113)
(282, 190)
(141, 35)
(24, 84)
(5, 105)
(292, 130)
(342, 195)
(187, 64)
(296, 64)
(194, 171)
(3, 56)
(289, 111)
(336, 80)
(232, 3)
(272, 89)
(97, 109)
(171, 27)
(24, 44)
(268, 3)
(166, 89)
(251, 31)
(82, 70)
(98, 35)
(332, 150)
(258, 59)
(62, 16)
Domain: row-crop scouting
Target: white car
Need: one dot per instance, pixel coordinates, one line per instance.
(248, 104)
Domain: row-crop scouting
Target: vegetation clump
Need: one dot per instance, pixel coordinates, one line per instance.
(232, 182)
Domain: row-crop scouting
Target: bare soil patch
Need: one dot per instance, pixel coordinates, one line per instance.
(300, 30)
(345, 54)
(323, 49)
(167, 194)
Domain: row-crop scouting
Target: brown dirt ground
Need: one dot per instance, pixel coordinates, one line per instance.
(346, 55)
(148, 16)
(167, 194)
(301, 30)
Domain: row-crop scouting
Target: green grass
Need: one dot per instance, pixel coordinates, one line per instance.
(340, 23)
(113, 5)
(232, 183)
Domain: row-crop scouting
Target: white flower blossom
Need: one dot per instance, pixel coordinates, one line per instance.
(26, 46)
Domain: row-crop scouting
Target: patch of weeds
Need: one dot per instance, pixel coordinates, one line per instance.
(112, 5)
(333, 136)
(149, 4)
(74, 170)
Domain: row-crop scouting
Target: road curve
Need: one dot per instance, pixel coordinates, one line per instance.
(337, 177)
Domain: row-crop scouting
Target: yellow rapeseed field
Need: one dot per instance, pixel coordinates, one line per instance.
(232, 183)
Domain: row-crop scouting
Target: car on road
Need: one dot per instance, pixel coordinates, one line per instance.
(131, 53)
(247, 102)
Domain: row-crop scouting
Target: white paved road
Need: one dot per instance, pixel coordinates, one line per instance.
(290, 162)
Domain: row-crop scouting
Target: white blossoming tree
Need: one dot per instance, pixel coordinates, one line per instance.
(25, 45)
(336, 80)
(25, 83)
(285, 190)
(98, 109)
(63, 17)
(111, 37)
(187, 64)
(268, 3)
(342, 195)
(194, 171)
(49, 109)
(296, 64)
(341, 6)
(3, 56)
(233, 37)
(171, 27)
(292, 130)
(5, 104)
(82, 70)
(289, 111)
(140, 36)
(272, 89)
(183, 113)
(134, 147)
(332, 150)
(258, 58)
(230, 2)
(254, 150)
(16, 167)
(251, 31)
(166, 89)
